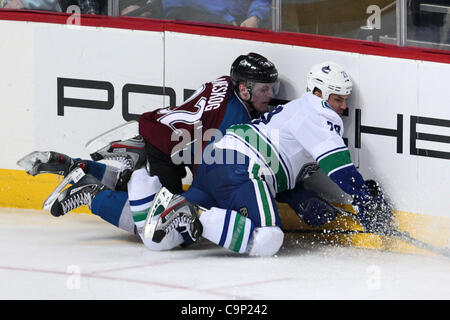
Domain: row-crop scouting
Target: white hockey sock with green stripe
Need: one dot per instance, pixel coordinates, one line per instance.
(142, 189)
(227, 228)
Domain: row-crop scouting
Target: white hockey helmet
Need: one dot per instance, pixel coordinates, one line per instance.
(330, 78)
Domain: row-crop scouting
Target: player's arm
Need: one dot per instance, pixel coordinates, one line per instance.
(325, 143)
(338, 165)
(260, 9)
(373, 212)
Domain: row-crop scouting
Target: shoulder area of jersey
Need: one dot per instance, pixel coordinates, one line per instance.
(221, 84)
(222, 78)
(315, 105)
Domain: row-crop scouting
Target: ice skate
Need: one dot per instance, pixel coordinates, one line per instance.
(130, 153)
(122, 143)
(85, 187)
(175, 212)
(38, 162)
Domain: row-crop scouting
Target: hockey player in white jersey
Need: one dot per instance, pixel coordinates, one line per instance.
(253, 163)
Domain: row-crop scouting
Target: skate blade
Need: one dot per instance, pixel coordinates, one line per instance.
(120, 133)
(28, 162)
(159, 204)
(73, 177)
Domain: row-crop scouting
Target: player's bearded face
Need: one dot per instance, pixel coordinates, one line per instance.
(338, 103)
(262, 94)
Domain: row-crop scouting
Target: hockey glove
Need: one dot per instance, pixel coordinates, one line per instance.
(374, 212)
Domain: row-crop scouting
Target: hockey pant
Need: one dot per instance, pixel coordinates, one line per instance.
(250, 222)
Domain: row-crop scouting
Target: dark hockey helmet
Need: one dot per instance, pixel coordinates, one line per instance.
(253, 68)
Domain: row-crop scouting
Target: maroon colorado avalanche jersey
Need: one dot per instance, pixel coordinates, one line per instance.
(214, 106)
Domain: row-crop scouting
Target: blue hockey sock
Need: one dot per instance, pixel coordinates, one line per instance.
(106, 174)
(110, 205)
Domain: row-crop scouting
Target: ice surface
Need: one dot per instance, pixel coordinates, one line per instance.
(79, 256)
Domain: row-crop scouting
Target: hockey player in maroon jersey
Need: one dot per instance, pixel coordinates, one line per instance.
(170, 132)
(169, 140)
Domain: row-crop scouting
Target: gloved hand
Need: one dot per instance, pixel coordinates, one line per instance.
(191, 233)
(308, 205)
(374, 212)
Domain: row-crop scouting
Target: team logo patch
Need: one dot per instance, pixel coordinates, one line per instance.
(326, 69)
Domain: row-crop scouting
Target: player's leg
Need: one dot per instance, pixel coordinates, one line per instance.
(181, 233)
(122, 144)
(130, 154)
(107, 174)
(179, 215)
(258, 233)
(142, 189)
(252, 222)
(161, 165)
(128, 210)
(38, 162)
(112, 206)
(226, 228)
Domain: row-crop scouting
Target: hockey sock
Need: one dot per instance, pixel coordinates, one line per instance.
(113, 207)
(106, 174)
(142, 189)
(227, 228)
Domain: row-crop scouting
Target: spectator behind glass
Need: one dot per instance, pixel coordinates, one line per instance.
(141, 8)
(244, 13)
(49, 5)
(86, 6)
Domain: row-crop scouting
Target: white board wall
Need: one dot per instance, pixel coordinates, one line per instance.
(35, 55)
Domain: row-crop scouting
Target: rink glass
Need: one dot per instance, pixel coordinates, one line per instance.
(419, 23)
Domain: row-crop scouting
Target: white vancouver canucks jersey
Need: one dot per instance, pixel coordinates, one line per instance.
(292, 141)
